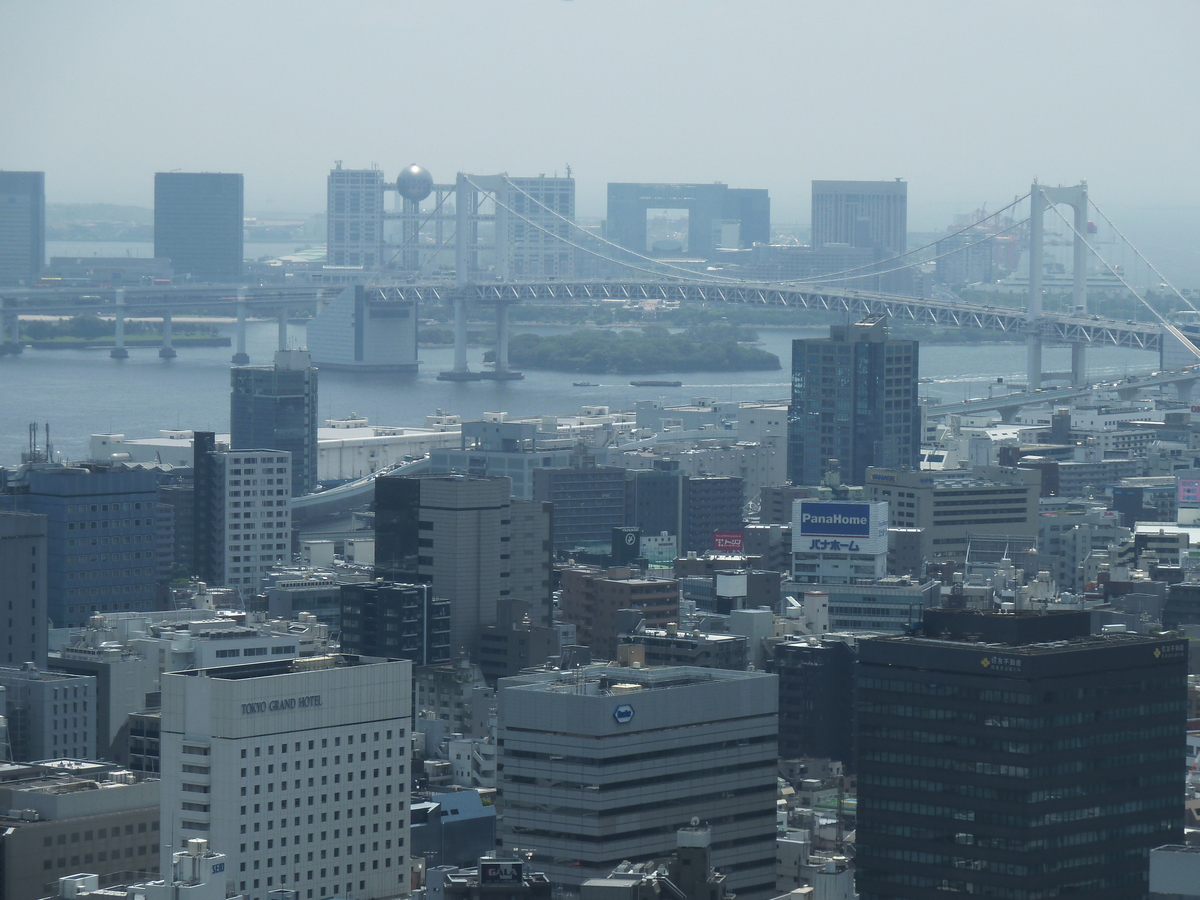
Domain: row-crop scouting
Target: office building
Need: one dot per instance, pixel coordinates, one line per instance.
(198, 224)
(592, 599)
(516, 642)
(90, 513)
(717, 216)
(396, 621)
(511, 449)
(816, 688)
(671, 647)
(839, 542)
(74, 818)
(854, 403)
(536, 236)
(628, 757)
(1175, 872)
(365, 329)
(449, 531)
(531, 563)
(276, 406)
(239, 747)
(1015, 755)
(50, 715)
(948, 507)
(22, 226)
(864, 214)
(690, 507)
(589, 501)
(355, 217)
(23, 572)
(242, 513)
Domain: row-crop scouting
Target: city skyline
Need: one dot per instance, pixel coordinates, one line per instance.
(781, 68)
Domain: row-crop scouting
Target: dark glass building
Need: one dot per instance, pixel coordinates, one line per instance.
(691, 507)
(22, 226)
(816, 694)
(854, 400)
(589, 501)
(198, 224)
(1014, 755)
(395, 621)
(276, 406)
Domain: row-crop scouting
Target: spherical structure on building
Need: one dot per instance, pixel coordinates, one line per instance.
(414, 183)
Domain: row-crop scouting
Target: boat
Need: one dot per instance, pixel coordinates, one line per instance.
(657, 383)
(584, 384)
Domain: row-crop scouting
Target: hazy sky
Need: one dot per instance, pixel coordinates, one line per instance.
(966, 101)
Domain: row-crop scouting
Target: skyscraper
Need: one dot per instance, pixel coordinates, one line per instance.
(451, 531)
(22, 225)
(1015, 755)
(355, 217)
(854, 400)
(198, 224)
(864, 214)
(23, 572)
(276, 406)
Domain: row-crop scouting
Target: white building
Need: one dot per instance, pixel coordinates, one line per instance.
(355, 217)
(298, 768)
(839, 542)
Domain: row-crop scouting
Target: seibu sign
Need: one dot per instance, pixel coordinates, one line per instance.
(262, 706)
(728, 541)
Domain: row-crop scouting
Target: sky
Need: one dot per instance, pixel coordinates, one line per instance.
(968, 102)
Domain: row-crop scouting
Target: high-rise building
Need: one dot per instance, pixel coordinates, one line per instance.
(865, 214)
(355, 217)
(854, 401)
(101, 553)
(198, 224)
(589, 501)
(716, 216)
(22, 225)
(628, 759)
(949, 507)
(816, 688)
(396, 621)
(276, 406)
(450, 531)
(242, 513)
(1016, 755)
(538, 232)
(280, 759)
(51, 715)
(24, 570)
(691, 507)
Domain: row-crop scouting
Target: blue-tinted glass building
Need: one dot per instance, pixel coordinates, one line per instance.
(198, 224)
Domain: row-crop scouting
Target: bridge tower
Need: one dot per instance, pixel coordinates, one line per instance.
(1040, 197)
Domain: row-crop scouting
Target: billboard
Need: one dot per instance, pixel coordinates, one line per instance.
(1189, 490)
(499, 871)
(823, 526)
(728, 541)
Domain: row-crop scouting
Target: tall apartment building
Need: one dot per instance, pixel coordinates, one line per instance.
(22, 226)
(298, 768)
(24, 572)
(865, 214)
(276, 406)
(395, 621)
(198, 224)
(355, 217)
(450, 531)
(243, 513)
(50, 715)
(627, 757)
(854, 400)
(592, 597)
(1015, 755)
(101, 553)
(949, 506)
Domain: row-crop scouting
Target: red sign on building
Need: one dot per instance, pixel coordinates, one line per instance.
(728, 541)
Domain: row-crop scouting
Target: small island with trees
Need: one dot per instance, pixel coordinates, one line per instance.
(89, 332)
(653, 349)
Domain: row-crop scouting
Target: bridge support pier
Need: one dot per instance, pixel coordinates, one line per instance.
(166, 351)
(464, 205)
(118, 351)
(240, 357)
(460, 372)
(1078, 365)
(1184, 390)
(1033, 362)
(283, 337)
(502, 372)
(1008, 413)
(10, 332)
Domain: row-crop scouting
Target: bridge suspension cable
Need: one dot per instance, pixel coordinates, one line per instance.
(933, 243)
(1179, 335)
(1139, 255)
(596, 237)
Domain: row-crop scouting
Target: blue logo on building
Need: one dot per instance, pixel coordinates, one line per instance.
(841, 519)
(623, 714)
(218, 867)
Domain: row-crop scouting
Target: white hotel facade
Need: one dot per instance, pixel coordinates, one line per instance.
(297, 769)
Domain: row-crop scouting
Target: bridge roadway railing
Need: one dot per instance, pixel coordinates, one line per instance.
(1052, 328)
